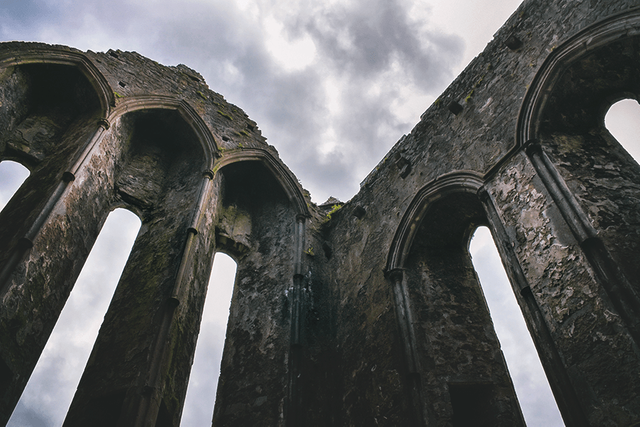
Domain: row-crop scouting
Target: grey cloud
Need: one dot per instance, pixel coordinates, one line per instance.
(25, 415)
(360, 44)
(333, 175)
(363, 40)
(25, 12)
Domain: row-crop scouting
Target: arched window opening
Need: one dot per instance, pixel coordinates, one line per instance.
(203, 382)
(12, 175)
(53, 383)
(623, 121)
(532, 388)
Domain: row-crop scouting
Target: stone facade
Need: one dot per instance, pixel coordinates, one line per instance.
(367, 315)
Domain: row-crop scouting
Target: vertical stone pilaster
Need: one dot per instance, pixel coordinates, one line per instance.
(559, 379)
(41, 266)
(411, 352)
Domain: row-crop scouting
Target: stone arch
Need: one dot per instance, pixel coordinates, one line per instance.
(624, 26)
(261, 227)
(157, 149)
(284, 177)
(440, 305)
(467, 182)
(40, 54)
(587, 173)
(189, 115)
(51, 111)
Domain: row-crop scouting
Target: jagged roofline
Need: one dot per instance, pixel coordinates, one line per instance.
(63, 56)
(610, 29)
(456, 182)
(53, 55)
(280, 172)
(188, 114)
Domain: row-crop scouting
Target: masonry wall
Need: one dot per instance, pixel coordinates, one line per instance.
(571, 304)
(367, 315)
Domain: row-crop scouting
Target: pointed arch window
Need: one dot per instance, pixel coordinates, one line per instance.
(532, 388)
(12, 175)
(50, 389)
(203, 381)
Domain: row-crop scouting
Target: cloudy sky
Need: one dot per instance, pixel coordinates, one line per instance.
(333, 85)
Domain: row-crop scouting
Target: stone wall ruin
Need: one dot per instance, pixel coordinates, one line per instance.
(386, 323)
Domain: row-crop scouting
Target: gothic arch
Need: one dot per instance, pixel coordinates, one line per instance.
(284, 177)
(50, 118)
(435, 288)
(587, 173)
(605, 32)
(65, 56)
(466, 182)
(185, 110)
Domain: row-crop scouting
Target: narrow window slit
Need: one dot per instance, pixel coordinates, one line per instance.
(203, 381)
(53, 383)
(529, 380)
(623, 121)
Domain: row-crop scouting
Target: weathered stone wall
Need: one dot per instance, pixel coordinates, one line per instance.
(547, 258)
(136, 143)
(254, 365)
(370, 314)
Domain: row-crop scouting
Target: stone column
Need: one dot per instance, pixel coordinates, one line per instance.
(557, 375)
(587, 328)
(408, 338)
(139, 367)
(45, 253)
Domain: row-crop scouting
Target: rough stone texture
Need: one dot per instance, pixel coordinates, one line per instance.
(359, 314)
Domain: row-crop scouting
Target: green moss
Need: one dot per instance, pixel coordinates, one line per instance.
(225, 115)
(469, 95)
(334, 209)
(117, 94)
(309, 251)
(202, 95)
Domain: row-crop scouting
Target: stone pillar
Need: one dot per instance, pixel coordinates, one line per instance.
(587, 328)
(139, 367)
(557, 375)
(45, 253)
(294, 402)
(411, 352)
